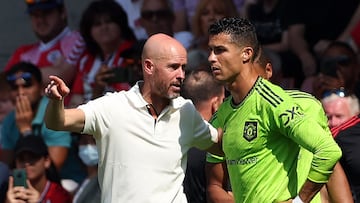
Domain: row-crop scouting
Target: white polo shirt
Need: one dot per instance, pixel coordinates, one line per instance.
(140, 159)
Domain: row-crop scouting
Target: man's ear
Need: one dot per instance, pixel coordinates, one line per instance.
(215, 103)
(148, 66)
(247, 53)
(268, 70)
(47, 162)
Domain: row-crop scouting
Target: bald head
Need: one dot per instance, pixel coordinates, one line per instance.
(160, 46)
(163, 61)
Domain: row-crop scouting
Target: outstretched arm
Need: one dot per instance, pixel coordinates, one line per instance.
(57, 117)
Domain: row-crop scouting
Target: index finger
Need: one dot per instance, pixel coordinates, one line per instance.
(56, 79)
(11, 182)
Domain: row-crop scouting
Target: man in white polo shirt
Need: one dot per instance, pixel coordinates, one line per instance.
(143, 135)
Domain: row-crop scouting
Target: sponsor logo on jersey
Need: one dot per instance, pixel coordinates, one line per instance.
(252, 160)
(250, 130)
(290, 114)
(53, 56)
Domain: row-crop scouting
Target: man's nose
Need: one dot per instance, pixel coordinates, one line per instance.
(211, 57)
(20, 90)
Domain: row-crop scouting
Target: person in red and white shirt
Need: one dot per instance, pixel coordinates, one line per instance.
(107, 36)
(51, 53)
(42, 182)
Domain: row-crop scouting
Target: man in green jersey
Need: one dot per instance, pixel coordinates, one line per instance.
(338, 186)
(263, 126)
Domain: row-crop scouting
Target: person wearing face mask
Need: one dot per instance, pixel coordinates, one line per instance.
(89, 190)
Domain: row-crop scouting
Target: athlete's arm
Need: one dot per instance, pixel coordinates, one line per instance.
(338, 186)
(217, 182)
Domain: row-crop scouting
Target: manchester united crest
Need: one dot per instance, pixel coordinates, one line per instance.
(250, 130)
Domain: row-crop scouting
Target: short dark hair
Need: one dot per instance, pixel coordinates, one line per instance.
(263, 57)
(26, 67)
(115, 12)
(241, 31)
(200, 85)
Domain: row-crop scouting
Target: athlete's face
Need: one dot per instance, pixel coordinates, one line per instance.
(47, 24)
(337, 111)
(225, 58)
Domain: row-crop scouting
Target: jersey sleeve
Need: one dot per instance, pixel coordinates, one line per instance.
(76, 51)
(212, 158)
(307, 132)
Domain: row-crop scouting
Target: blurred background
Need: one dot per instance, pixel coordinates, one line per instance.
(16, 29)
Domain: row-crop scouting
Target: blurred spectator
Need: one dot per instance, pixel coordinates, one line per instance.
(6, 104)
(339, 69)
(197, 60)
(89, 191)
(207, 12)
(42, 183)
(185, 11)
(268, 19)
(157, 16)
(347, 137)
(25, 80)
(340, 107)
(313, 25)
(207, 95)
(48, 19)
(107, 35)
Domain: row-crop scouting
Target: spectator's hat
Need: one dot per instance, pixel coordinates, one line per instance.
(31, 143)
(42, 4)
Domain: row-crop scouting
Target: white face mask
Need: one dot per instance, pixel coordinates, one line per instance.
(89, 154)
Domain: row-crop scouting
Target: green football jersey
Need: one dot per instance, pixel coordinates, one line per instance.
(261, 143)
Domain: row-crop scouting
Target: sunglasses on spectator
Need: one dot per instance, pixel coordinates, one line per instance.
(341, 92)
(157, 13)
(25, 77)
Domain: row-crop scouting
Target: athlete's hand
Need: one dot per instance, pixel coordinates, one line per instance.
(56, 89)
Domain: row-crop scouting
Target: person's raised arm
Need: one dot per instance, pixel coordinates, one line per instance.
(57, 117)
